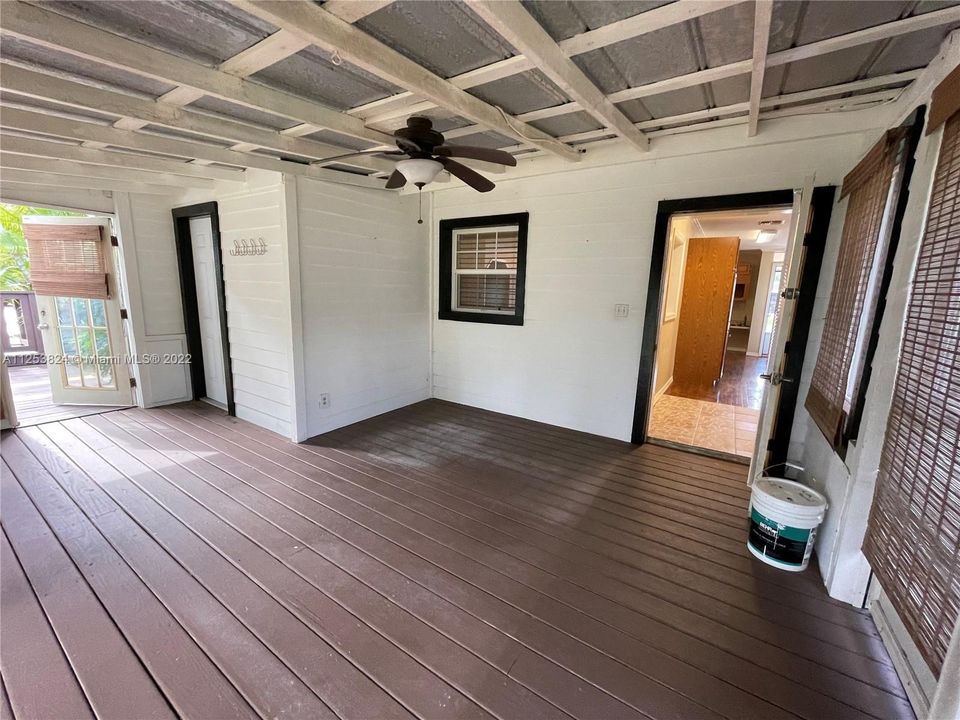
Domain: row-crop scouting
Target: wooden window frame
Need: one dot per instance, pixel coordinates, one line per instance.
(448, 228)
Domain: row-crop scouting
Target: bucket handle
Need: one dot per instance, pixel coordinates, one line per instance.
(785, 464)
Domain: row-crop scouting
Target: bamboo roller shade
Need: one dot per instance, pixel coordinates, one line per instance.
(66, 260)
(913, 536)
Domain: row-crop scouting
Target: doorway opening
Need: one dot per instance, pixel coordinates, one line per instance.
(200, 263)
(716, 313)
(724, 335)
(64, 349)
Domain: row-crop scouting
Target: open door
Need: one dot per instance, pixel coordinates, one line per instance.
(78, 301)
(783, 328)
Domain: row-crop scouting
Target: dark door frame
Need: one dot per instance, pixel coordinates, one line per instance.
(814, 241)
(188, 292)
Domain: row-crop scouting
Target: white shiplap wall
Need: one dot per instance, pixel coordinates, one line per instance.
(258, 301)
(364, 277)
(573, 363)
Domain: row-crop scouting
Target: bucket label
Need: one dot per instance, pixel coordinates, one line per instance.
(780, 542)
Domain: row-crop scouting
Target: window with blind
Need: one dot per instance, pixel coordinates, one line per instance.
(913, 536)
(482, 268)
(873, 189)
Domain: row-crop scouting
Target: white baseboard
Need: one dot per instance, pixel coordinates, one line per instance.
(662, 390)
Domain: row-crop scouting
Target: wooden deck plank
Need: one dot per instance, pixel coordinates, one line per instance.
(687, 648)
(274, 688)
(441, 561)
(31, 651)
(416, 687)
(110, 673)
(401, 454)
(194, 686)
(272, 529)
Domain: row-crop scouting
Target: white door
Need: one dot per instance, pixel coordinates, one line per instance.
(783, 325)
(83, 337)
(208, 308)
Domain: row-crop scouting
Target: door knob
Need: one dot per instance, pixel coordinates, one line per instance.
(775, 378)
(43, 326)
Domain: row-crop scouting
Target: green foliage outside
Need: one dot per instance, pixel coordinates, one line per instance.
(14, 261)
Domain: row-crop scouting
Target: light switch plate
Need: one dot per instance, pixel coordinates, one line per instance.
(621, 310)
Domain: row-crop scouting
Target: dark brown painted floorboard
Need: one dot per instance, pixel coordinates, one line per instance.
(36, 673)
(191, 682)
(280, 681)
(110, 673)
(721, 665)
(397, 452)
(438, 560)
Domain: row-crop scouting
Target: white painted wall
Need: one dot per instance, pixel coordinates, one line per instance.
(762, 281)
(849, 484)
(591, 229)
(364, 275)
(681, 229)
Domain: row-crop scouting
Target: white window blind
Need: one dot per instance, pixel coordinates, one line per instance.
(485, 270)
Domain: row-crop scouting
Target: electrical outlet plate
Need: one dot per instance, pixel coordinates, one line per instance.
(621, 310)
(324, 400)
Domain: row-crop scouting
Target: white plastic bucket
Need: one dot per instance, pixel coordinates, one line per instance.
(784, 517)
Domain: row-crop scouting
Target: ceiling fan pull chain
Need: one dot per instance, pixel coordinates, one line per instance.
(420, 195)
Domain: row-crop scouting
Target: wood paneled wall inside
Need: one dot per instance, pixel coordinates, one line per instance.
(705, 311)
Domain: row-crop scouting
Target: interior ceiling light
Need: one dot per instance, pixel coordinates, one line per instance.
(765, 236)
(419, 171)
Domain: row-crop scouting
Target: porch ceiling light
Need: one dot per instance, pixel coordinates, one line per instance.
(765, 236)
(419, 171)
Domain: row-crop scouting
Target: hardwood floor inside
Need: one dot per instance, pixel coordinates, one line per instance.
(740, 384)
(438, 561)
(30, 385)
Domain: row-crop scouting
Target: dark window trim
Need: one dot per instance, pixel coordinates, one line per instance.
(851, 428)
(822, 204)
(188, 291)
(447, 227)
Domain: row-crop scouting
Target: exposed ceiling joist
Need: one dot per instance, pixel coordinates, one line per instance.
(762, 17)
(352, 10)
(34, 121)
(12, 144)
(404, 104)
(331, 33)
(269, 51)
(11, 161)
(894, 28)
(31, 83)
(28, 177)
(766, 106)
(49, 29)
(518, 27)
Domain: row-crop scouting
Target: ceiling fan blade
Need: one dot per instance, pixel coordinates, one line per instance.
(472, 178)
(476, 153)
(396, 180)
(360, 152)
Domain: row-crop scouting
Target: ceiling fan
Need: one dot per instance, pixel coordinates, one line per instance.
(427, 155)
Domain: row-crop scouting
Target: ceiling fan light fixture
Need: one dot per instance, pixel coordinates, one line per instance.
(419, 171)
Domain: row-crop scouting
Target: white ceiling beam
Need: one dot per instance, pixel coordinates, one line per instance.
(269, 51)
(936, 18)
(391, 108)
(34, 121)
(399, 105)
(770, 102)
(49, 29)
(331, 33)
(12, 144)
(49, 179)
(353, 10)
(762, 17)
(143, 111)
(59, 166)
(518, 27)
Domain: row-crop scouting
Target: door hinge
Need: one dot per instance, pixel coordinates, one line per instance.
(123, 314)
(790, 294)
(133, 382)
(114, 241)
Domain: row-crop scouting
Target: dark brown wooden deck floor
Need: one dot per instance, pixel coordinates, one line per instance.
(435, 562)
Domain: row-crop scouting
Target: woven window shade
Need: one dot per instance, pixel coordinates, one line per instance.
(66, 260)
(913, 536)
(868, 188)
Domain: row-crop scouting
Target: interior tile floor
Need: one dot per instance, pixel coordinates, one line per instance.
(711, 425)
